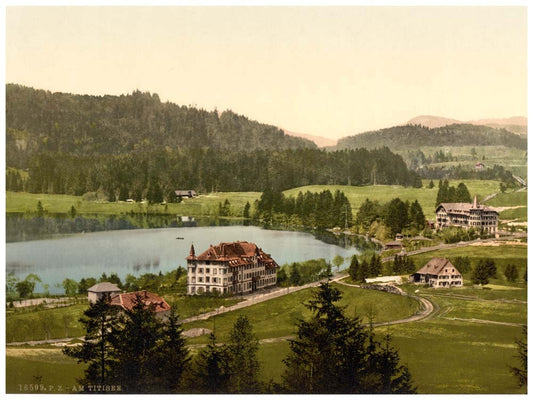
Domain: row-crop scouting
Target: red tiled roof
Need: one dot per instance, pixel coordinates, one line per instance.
(127, 300)
(235, 253)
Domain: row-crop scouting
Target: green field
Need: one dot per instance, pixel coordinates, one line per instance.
(384, 193)
(203, 205)
(465, 347)
(277, 317)
(207, 204)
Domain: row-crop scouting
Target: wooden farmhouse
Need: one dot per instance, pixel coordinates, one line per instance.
(96, 292)
(439, 273)
(238, 267)
(466, 215)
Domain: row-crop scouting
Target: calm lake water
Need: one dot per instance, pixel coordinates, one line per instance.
(150, 250)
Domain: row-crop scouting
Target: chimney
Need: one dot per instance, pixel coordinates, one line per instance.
(475, 201)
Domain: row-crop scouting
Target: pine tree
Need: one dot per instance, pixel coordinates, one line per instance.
(521, 372)
(336, 354)
(243, 364)
(136, 351)
(97, 348)
(172, 355)
(354, 268)
(211, 369)
(511, 272)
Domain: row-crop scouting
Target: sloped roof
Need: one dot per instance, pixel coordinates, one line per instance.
(463, 207)
(235, 253)
(438, 266)
(103, 287)
(127, 300)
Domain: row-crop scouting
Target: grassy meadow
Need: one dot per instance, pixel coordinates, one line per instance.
(207, 204)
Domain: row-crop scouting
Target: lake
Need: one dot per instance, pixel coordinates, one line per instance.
(140, 251)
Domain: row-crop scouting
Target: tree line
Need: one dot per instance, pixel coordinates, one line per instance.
(390, 218)
(320, 210)
(496, 172)
(156, 175)
(133, 351)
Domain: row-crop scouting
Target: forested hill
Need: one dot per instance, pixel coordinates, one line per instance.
(39, 120)
(416, 136)
(134, 146)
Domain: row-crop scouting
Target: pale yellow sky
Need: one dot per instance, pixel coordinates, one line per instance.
(329, 71)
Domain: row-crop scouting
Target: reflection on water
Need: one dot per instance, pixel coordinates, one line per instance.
(154, 250)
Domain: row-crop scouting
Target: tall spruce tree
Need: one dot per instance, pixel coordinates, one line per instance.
(336, 354)
(97, 350)
(243, 364)
(211, 369)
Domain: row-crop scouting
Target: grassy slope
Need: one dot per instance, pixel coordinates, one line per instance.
(426, 197)
(56, 203)
(205, 205)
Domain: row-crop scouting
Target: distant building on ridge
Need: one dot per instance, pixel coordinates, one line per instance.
(237, 268)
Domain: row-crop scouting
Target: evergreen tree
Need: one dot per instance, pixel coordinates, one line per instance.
(171, 354)
(462, 195)
(480, 275)
(136, 351)
(431, 184)
(96, 351)
(246, 211)
(375, 266)
(211, 369)
(353, 270)
(396, 216)
(417, 219)
(364, 271)
(243, 364)
(511, 272)
(520, 372)
(335, 354)
(40, 209)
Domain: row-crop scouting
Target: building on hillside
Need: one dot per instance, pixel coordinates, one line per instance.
(479, 166)
(96, 292)
(466, 215)
(439, 273)
(126, 301)
(237, 268)
(185, 193)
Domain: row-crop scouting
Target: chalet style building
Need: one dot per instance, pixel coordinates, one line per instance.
(96, 292)
(466, 215)
(439, 273)
(237, 267)
(126, 301)
(185, 193)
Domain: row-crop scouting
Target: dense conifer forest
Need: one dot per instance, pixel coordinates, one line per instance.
(135, 146)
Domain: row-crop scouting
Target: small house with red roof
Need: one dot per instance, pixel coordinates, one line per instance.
(127, 301)
(439, 272)
(237, 267)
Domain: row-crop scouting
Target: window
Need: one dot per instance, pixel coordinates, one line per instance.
(200, 279)
(214, 271)
(200, 270)
(207, 271)
(207, 279)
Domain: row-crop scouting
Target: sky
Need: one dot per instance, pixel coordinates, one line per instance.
(326, 71)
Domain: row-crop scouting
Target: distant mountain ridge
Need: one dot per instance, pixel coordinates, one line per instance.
(517, 124)
(414, 136)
